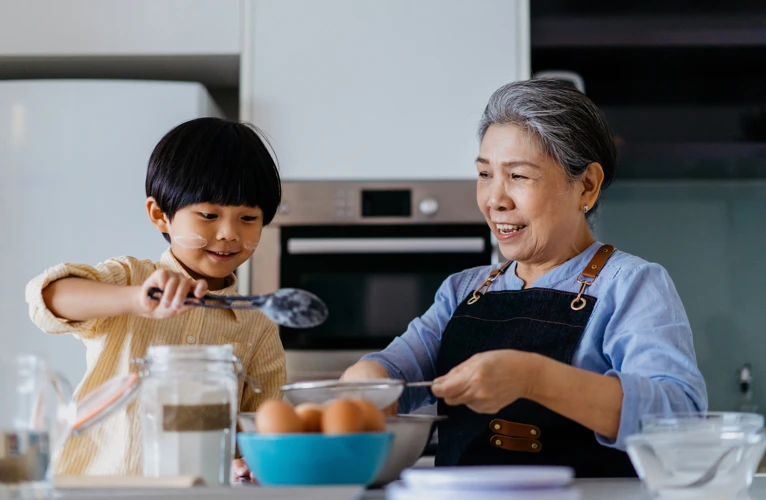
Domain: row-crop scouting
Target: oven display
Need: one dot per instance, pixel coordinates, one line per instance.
(387, 203)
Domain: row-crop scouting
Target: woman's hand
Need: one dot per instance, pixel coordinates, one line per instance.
(175, 287)
(488, 381)
(366, 370)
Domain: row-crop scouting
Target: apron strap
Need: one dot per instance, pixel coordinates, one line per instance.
(476, 295)
(588, 275)
(586, 278)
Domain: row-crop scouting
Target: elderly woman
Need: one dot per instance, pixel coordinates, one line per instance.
(552, 357)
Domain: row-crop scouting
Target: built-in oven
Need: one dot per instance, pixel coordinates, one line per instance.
(376, 253)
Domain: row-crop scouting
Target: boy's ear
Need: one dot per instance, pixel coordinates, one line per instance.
(157, 216)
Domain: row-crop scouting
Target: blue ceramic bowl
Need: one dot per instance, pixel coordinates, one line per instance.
(311, 459)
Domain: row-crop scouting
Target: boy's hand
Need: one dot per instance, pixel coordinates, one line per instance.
(175, 287)
(240, 472)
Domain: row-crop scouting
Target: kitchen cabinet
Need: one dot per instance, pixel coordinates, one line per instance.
(192, 40)
(373, 90)
(118, 27)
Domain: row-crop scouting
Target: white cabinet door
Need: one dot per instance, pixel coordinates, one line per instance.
(378, 89)
(119, 27)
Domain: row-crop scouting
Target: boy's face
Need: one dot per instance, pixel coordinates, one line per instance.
(210, 240)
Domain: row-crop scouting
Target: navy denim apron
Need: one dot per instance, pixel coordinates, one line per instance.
(544, 321)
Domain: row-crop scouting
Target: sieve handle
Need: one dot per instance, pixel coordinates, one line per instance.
(425, 383)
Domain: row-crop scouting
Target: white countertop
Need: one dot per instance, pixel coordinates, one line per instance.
(586, 489)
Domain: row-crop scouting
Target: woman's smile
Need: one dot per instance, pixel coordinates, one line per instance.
(504, 232)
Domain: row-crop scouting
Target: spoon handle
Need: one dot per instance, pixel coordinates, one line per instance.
(426, 383)
(231, 300)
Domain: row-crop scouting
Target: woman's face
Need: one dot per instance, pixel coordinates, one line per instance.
(530, 204)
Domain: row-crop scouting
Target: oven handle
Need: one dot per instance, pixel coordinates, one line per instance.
(303, 246)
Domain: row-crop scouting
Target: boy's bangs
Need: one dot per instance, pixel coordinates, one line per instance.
(214, 161)
(227, 177)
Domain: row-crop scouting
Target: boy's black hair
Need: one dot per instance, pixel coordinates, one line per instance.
(212, 160)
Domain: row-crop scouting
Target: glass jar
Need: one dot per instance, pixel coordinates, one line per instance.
(36, 413)
(189, 401)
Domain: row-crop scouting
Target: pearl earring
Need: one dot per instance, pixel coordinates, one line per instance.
(585, 209)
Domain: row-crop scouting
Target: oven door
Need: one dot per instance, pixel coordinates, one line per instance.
(374, 279)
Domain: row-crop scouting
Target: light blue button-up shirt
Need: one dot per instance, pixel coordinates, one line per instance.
(638, 332)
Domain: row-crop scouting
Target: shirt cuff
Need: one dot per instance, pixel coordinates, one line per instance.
(379, 358)
(629, 413)
(39, 312)
(411, 398)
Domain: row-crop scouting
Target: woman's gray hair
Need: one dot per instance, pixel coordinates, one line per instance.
(567, 125)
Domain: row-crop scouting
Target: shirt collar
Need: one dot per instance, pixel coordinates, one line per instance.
(169, 262)
(569, 270)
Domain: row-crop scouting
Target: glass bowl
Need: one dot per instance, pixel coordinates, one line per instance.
(697, 455)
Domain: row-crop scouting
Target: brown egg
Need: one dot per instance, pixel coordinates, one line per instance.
(342, 416)
(374, 420)
(277, 417)
(311, 416)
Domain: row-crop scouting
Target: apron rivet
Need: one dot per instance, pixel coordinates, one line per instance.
(534, 432)
(594, 266)
(497, 427)
(534, 446)
(498, 442)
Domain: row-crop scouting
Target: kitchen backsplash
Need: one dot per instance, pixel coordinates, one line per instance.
(711, 237)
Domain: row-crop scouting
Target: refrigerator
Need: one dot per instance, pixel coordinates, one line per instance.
(73, 157)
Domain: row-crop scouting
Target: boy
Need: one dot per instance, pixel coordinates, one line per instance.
(211, 186)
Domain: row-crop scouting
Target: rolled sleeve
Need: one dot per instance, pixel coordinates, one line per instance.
(650, 346)
(116, 271)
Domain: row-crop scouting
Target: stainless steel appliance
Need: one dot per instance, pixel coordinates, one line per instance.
(374, 252)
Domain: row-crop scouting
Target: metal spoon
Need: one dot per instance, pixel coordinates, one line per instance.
(705, 478)
(287, 306)
(710, 473)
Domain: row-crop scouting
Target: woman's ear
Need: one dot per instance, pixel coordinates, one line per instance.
(156, 215)
(592, 179)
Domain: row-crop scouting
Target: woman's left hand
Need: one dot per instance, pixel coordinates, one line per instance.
(488, 381)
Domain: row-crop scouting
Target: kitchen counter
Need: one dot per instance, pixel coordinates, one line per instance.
(588, 489)
(591, 489)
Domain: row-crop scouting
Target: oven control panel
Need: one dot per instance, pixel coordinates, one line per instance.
(428, 206)
(346, 202)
